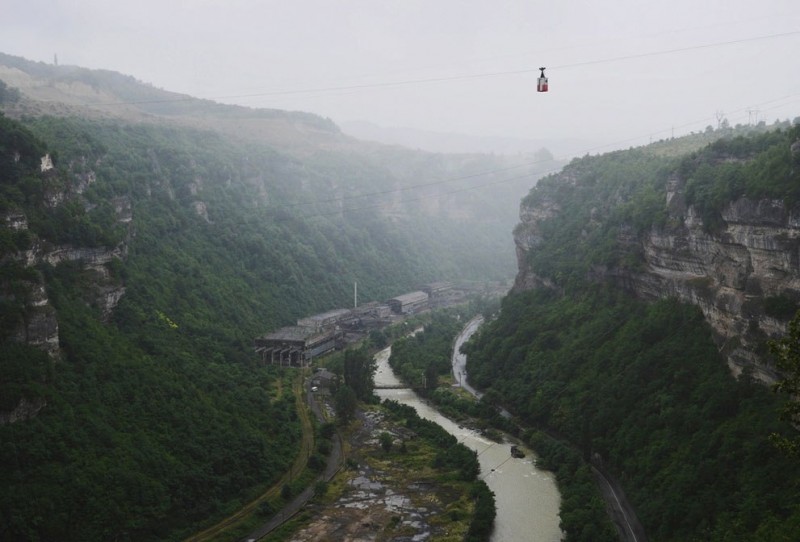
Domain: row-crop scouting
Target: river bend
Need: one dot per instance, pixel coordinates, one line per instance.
(527, 499)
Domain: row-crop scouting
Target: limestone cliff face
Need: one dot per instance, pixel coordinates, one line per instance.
(527, 236)
(729, 273)
(39, 325)
(23, 289)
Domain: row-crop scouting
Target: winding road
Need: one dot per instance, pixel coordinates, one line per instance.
(331, 468)
(300, 387)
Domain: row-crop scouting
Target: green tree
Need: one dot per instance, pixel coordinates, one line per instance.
(431, 377)
(359, 368)
(378, 338)
(386, 441)
(345, 402)
(8, 94)
(787, 359)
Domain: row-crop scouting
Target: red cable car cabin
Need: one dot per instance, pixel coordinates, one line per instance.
(541, 85)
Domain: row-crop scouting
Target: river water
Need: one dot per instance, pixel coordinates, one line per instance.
(527, 499)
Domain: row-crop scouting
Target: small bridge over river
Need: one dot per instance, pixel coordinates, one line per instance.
(396, 387)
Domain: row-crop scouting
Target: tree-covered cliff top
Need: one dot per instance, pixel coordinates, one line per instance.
(747, 162)
(109, 93)
(602, 200)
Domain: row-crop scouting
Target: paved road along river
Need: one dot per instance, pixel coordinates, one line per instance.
(527, 499)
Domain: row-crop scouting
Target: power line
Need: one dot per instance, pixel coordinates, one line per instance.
(289, 205)
(556, 160)
(429, 80)
(677, 50)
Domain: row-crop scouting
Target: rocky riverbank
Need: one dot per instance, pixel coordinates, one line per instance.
(390, 489)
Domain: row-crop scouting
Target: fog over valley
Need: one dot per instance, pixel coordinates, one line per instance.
(621, 74)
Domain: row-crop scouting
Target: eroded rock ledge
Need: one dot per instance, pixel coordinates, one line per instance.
(728, 273)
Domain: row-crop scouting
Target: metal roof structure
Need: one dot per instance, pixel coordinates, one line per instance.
(292, 333)
(324, 318)
(413, 297)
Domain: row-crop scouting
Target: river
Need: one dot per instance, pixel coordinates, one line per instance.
(527, 499)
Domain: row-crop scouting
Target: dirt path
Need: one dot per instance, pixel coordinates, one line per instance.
(334, 463)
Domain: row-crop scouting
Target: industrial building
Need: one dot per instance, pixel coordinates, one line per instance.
(325, 320)
(373, 309)
(296, 346)
(441, 294)
(320, 334)
(411, 303)
(437, 289)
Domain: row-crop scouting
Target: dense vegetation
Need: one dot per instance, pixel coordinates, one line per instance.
(754, 167)
(451, 455)
(787, 358)
(620, 195)
(150, 427)
(583, 513)
(423, 360)
(643, 387)
(614, 194)
(639, 389)
(155, 420)
(134, 446)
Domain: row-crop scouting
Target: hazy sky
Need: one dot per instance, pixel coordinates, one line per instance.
(622, 71)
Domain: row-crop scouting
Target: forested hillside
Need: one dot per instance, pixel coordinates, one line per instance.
(136, 272)
(638, 385)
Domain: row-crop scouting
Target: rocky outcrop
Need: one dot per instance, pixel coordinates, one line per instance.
(527, 236)
(727, 273)
(30, 317)
(25, 409)
(23, 288)
(39, 326)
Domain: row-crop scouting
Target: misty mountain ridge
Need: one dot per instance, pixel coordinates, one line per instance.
(47, 89)
(73, 90)
(61, 89)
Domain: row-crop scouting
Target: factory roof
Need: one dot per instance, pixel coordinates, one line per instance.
(411, 297)
(292, 333)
